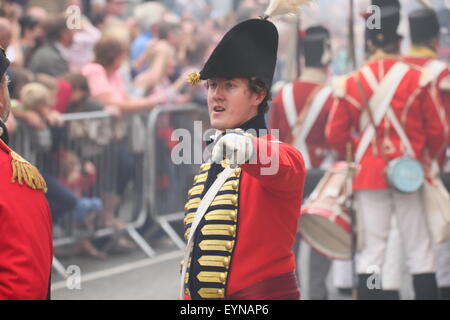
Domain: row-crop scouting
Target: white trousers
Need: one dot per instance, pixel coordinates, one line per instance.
(375, 209)
(342, 274)
(392, 267)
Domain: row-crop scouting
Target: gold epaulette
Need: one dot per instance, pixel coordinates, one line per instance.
(23, 171)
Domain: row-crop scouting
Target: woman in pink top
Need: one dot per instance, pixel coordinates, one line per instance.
(107, 87)
(105, 82)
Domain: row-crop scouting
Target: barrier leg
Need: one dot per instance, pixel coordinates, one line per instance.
(173, 235)
(59, 267)
(141, 242)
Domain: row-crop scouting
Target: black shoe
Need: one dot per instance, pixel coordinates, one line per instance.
(425, 286)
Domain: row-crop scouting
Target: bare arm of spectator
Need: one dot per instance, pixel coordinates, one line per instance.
(107, 93)
(156, 72)
(31, 118)
(145, 55)
(130, 105)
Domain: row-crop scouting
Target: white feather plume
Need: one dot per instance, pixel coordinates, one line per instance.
(279, 7)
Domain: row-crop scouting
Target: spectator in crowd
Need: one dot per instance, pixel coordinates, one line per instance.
(5, 32)
(86, 209)
(149, 15)
(52, 58)
(80, 99)
(159, 54)
(107, 87)
(81, 52)
(30, 33)
(105, 82)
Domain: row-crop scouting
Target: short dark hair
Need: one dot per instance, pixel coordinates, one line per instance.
(258, 86)
(77, 81)
(55, 27)
(391, 47)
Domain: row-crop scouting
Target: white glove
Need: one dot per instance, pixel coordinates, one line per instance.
(236, 147)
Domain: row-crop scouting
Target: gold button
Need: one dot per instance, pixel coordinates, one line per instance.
(233, 215)
(222, 277)
(229, 245)
(235, 185)
(220, 292)
(226, 262)
(195, 179)
(237, 171)
(186, 207)
(232, 230)
(234, 200)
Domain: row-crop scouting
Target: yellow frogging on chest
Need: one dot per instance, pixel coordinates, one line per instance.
(217, 232)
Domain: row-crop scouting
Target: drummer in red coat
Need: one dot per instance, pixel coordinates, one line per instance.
(412, 105)
(242, 248)
(300, 113)
(296, 100)
(26, 248)
(424, 32)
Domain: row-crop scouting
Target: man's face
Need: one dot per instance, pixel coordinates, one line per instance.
(231, 103)
(5, 103)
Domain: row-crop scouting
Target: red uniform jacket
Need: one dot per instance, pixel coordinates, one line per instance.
(316, 140)
(249, 238)
(26, 249)
(419, 57)
(413, 106)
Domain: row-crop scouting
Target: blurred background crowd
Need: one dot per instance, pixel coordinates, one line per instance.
(125, 57)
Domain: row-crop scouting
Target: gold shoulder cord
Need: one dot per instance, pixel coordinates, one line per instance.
(25, 171)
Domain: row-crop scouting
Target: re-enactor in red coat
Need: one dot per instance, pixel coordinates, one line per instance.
(425, 32)
(423, 54)
(26, 248)
(242, 247)
(376, 201)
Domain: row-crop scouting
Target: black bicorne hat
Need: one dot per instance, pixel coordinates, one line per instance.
(4, 62)
(390, 20)
(423, 26)
(248, 50)
(316, 46)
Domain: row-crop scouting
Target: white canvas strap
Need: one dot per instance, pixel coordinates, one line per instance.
(380, 101)
(370, 77)
(201, 210)
(289, 104)
(313, 113)
(432, 70)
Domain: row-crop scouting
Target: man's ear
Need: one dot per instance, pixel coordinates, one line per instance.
(260, 96)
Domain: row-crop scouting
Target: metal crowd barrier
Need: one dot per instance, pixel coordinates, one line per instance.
(92, 137)
(96, 137)
(181, 174)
